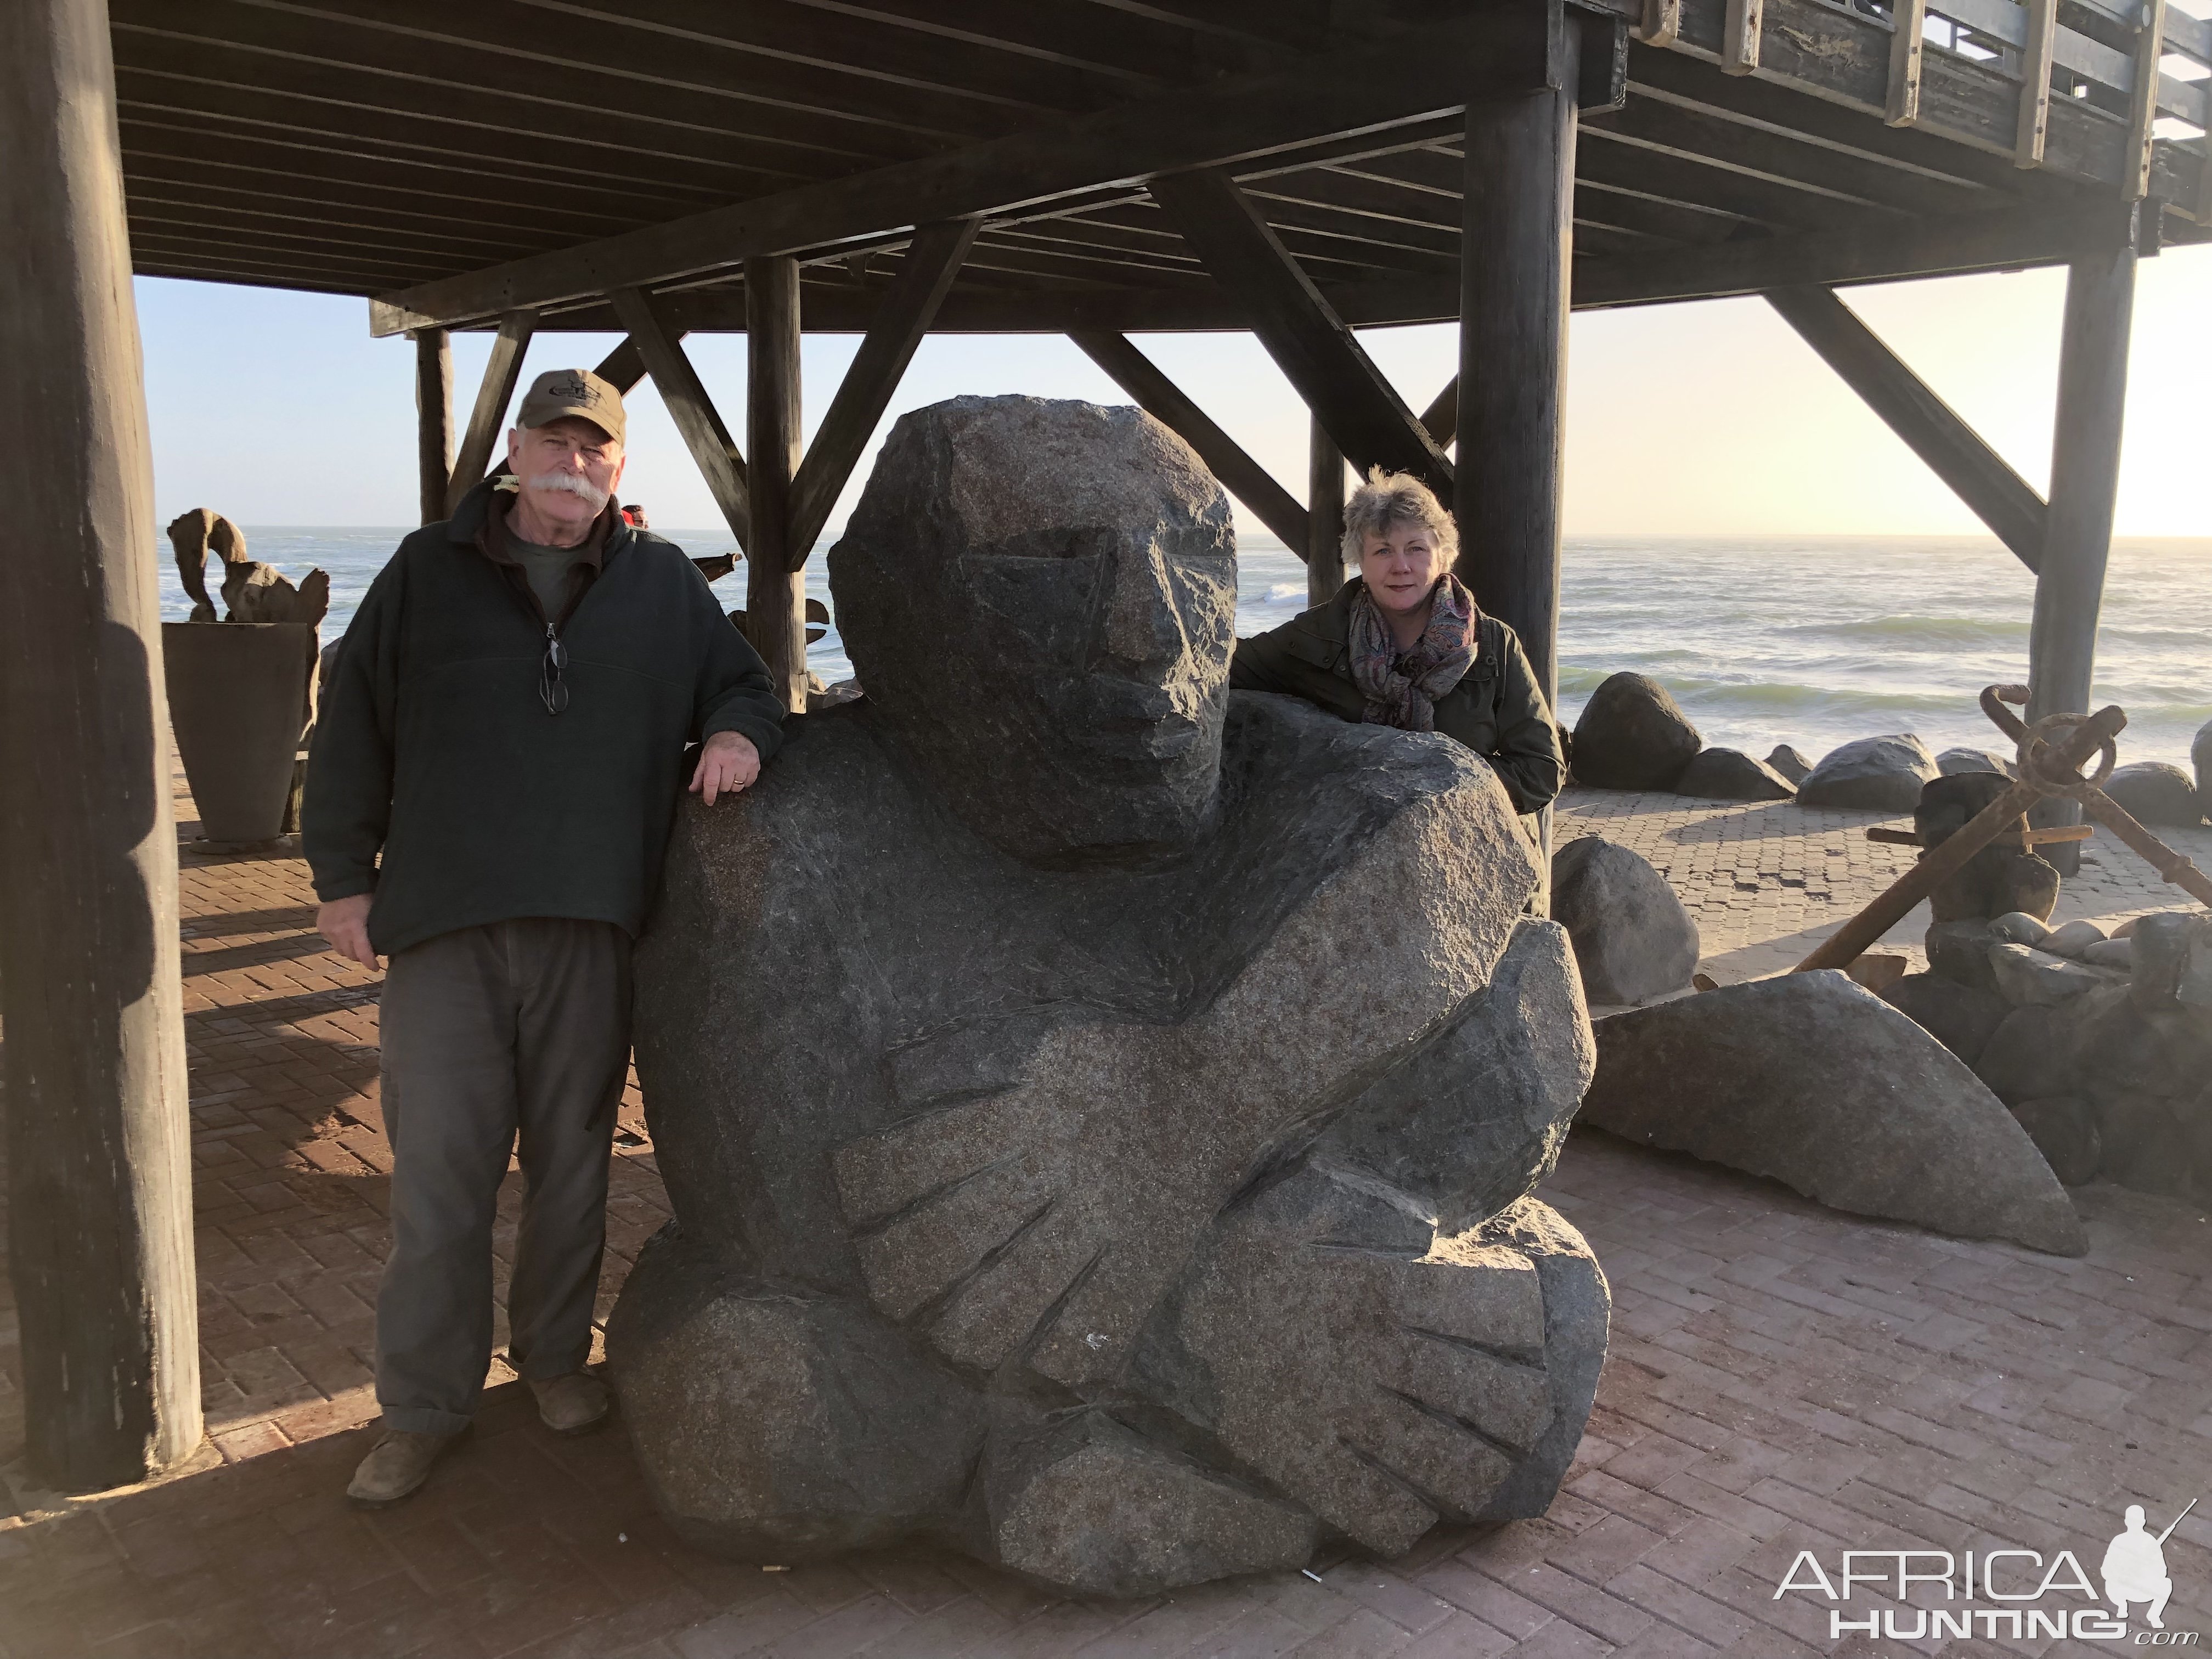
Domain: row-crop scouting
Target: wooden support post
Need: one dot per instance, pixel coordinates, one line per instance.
(434, 418)
(1743, 24)
(487, 419)
(2001, 498)
(690, 407)
(100, 1235)
(2035, 84)
(2142, 103)
(1165, 402)
(1519, 233)
(2085, 478)
(933, 260)
(1907, 51)
(1661, 25)
(1310, 344)
(1441, 417)
(775, 585)
(1324, 548)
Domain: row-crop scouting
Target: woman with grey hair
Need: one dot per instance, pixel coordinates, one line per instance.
(1403, 644)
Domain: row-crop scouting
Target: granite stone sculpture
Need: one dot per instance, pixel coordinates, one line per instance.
(1099, 1110)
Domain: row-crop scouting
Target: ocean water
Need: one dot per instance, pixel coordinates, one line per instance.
(1812, 640)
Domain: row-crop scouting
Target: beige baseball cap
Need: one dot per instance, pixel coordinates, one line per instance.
(577, 392)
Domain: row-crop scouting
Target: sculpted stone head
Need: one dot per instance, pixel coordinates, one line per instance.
(1039, 598)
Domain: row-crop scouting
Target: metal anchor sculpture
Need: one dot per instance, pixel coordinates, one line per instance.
(2050, 765)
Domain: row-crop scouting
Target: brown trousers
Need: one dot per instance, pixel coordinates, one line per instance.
(514, 1029)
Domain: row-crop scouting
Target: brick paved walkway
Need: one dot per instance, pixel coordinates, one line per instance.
(1781, 1378)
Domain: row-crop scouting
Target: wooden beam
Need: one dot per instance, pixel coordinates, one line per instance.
(1519, 231)
(775, 585)
(497, 392)
(1999, 497)
(98, 1135)
(1324, 545)
(1165, 402)
(932, 262)
(1316, 352)
(2085, 478)
(433, 419)
(1371, 88)
(1661, 23)
(2033, 129)
(1441, 417)
(1969, 242)
(690, 408)
(624, 367)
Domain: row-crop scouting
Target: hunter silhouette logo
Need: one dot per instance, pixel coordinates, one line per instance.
(2134, 1567)
(573, 389)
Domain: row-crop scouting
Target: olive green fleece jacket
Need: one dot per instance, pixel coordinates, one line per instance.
(438, 781)
(1496, 709)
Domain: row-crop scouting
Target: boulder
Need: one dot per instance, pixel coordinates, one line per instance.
(1879, 774)
(2034, 979)
(2163, 944)
(1952, 761)
(2064, 1130)
(2145, 1142)
(1791, 763)
(2072, 939)
(2018, 927)
(1962, 1017)
(1632, 735)
(1810, 1080)
(1999, 878)
(2151, 792)
(2109, 953)
(1633, 939)
(1097, 1108)
(2200, 762)
(1731, 774)
(2029, 1054)
(1960, 950)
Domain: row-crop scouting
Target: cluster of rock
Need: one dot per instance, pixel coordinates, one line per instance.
(1634, 735)
(2101, 1046)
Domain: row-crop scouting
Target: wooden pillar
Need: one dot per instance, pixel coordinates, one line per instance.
(775, 578)
(434, 418)
(99, 1192)
(1517, 237)
(2085, 478)
(1324, 549)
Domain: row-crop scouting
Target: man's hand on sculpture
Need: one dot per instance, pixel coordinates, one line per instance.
(727, 762)
(343, 924)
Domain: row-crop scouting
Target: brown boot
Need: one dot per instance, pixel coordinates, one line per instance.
(398, 1465)
(575, 1404)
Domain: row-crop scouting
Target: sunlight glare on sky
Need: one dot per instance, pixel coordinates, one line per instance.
(1713, 417)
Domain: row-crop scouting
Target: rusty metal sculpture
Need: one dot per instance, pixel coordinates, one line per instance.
(2052, 754)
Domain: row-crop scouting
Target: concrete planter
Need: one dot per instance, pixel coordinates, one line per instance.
(239, 702)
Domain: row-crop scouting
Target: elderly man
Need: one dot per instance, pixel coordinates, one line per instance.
(496, 767)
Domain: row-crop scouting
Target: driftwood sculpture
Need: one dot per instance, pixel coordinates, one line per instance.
(251, 592)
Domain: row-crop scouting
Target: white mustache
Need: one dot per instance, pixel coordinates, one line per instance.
(575, 484)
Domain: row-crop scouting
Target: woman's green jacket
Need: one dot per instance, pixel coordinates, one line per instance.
(1495, 710)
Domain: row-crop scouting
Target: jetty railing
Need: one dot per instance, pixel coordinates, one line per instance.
(2050, 82)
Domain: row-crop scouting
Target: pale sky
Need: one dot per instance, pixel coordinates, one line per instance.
(1708, 418)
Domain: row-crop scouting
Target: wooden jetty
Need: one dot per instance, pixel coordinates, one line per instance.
(1299, 169)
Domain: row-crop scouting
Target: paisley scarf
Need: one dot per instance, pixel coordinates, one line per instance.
(1401, 689)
